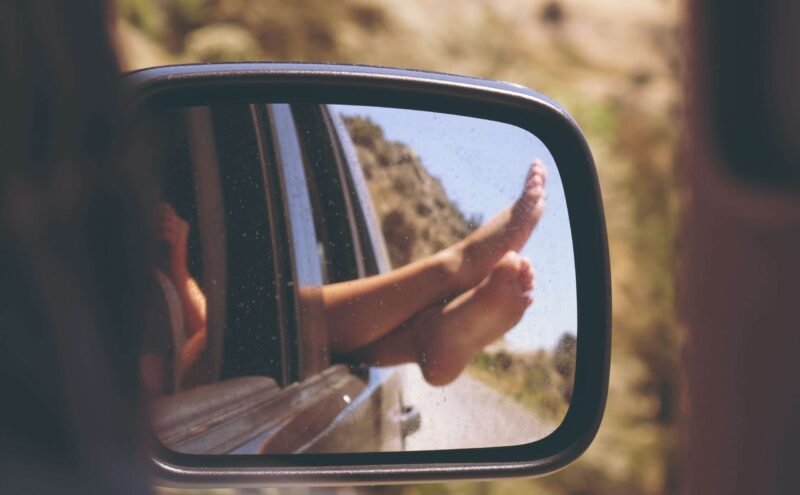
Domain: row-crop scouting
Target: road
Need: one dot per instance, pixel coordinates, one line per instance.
(466, 414)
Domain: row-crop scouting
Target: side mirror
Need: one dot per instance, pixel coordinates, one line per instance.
(360, 280)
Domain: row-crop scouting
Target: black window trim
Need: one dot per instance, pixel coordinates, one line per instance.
(306, 358)
(350, 201)
(277, 235)
(366, 230)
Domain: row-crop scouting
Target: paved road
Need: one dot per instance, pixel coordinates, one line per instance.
(467, 413)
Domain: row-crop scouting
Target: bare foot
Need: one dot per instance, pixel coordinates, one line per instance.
(447, 336)
(470, 260)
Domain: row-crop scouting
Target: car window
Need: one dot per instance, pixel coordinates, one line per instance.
(212, 187)
(178, 255)
(309, 267)
(254, 341)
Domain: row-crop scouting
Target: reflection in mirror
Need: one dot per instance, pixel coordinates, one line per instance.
(341, 279)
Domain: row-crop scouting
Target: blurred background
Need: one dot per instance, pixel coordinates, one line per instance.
(615, 65)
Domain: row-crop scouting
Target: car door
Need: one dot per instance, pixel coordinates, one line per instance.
(294, 219)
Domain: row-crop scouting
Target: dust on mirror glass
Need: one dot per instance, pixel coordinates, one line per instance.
(350, 279)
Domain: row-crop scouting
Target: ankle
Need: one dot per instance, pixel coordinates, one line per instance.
(458, 269)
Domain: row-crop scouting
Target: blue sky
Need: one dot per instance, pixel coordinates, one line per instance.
(482, 165)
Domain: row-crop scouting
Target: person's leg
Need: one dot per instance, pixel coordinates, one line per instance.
(364, 310)
(443, 338)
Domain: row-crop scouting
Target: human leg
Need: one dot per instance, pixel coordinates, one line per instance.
(362, 311)
(444, 337)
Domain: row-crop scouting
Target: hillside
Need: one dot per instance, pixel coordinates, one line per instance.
(416, 215)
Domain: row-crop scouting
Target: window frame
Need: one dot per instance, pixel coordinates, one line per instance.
(307, 334)
(375, 257)
(332, 185)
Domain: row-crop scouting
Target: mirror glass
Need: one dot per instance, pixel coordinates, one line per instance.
(350, 279)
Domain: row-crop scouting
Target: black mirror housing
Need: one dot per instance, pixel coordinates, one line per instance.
(191, 85)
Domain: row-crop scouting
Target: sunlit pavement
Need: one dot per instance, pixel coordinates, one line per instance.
(467, 414)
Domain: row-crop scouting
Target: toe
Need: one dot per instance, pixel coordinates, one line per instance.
(534, 177)
(541, 169)
(508, 267)
(510, 258)
(533, 189)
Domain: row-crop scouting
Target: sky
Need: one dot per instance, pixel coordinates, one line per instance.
(482, 165)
